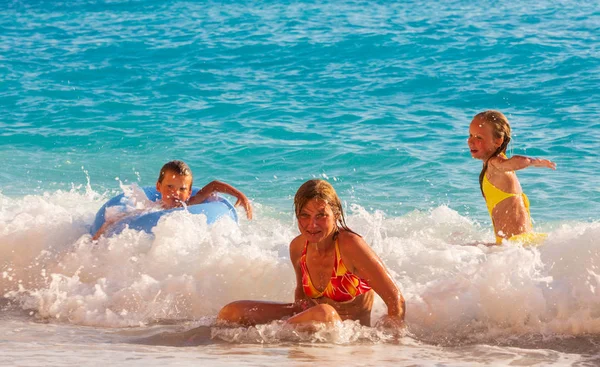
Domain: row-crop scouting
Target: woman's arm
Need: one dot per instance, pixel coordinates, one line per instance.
(218, 186)
(517, 162)
(362, 261)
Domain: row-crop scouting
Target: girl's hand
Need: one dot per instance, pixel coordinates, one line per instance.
(538, 162)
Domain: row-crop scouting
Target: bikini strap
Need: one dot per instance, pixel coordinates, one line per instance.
(305, 247)
(338, 261)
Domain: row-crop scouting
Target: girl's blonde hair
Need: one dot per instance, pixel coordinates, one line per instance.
(500, 129)
(322, 190)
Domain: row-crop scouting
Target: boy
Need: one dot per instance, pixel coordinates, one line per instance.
(175, 186)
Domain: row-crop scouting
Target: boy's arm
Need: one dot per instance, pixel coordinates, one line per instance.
(222, 187)
(517, 162)
(107, 224)
(101, 230)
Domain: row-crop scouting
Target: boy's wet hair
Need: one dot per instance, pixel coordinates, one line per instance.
(500, 129)
(177, 167)
(322, 190)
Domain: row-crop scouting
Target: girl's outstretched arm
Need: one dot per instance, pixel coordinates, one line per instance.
(517, 162)
(222, 187)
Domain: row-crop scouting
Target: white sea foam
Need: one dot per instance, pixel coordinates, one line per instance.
(134, 201)
(186, 270)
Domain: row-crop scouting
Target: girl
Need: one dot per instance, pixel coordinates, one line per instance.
(489, 135)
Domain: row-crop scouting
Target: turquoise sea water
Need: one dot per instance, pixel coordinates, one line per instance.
(376, 97)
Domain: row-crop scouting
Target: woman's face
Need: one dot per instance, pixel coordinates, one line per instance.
(316, 221)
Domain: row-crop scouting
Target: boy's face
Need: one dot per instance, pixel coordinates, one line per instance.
(175, 189)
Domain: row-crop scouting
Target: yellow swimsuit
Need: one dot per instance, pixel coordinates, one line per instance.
(493, 196)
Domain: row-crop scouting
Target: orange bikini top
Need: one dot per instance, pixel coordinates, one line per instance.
(343, 285)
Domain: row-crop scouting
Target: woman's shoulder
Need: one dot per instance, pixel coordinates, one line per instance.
(297, 246)
(349, 241)
(297, 240)
(354, 250)
(345, 235)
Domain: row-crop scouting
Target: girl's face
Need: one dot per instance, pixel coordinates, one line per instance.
(316, 221)
(482, 142)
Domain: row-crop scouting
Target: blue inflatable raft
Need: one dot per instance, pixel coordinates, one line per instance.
(213, 210)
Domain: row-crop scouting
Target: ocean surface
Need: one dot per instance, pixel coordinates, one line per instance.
(376, 97)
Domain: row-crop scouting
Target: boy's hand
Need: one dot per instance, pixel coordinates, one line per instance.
(243, 200)
(538, 162)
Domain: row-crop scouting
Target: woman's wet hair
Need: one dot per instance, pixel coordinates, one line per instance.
(500, 129)
(179, 168)
(322, 190)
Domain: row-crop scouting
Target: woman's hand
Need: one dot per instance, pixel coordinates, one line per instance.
(395, 324)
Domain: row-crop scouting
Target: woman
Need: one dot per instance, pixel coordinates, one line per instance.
(336, 271)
